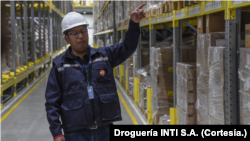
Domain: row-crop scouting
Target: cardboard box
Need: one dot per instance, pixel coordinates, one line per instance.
(185, 118)
(244, 107)
(162, 10)
(145, 56)
(164, 68)
(201, 27)
(164, 80)
(189, 55)
(165, 92)
(215, 22)
(177, 4)
(202, 118)
(216, 121)
(247, 36)
(186, 100)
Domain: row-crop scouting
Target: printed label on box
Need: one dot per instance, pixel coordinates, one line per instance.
(199, 23)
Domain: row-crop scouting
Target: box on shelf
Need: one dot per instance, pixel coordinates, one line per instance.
(161, 83)
(144, 56)
(186, 92)
(244, 92)
(247, 36)
(201, 27)
(215, 22)
(216, 85)
(144, 83)
(177, 4)
(185, 118)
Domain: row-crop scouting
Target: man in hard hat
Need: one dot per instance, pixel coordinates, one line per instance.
(81, 87)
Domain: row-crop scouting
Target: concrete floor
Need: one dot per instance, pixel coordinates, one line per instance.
(28, 122)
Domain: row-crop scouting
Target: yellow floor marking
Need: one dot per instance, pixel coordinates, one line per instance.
(14, 107)
(128, 110)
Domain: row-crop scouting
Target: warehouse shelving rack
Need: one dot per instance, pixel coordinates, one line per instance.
(47, 14)
(173, 22)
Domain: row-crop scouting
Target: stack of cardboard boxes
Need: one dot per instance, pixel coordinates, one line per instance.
(216, 85)
(208, 47)
(205, 39)
(130, 75)
(186, 93)
(144, 83)
(244, 76)
(162, 81)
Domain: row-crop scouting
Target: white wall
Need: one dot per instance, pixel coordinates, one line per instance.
(90, 20)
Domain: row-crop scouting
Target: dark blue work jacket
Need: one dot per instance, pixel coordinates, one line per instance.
(66, 94)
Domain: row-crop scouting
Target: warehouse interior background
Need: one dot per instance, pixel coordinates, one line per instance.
(191, 66)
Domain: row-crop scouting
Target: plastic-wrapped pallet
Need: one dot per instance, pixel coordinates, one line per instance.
(202, 72)
(161, 72)
(164, 120)
(244, 77)
(130, 75)
(186, 92)
(216, 85)
(135, 63)
(144, 83)
(124, 74)
(204, 41)
(19, 47)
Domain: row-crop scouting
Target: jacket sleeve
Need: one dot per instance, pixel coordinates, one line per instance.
(118, 53)
(53, 101)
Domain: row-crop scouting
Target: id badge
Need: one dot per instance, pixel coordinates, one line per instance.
(90, 92)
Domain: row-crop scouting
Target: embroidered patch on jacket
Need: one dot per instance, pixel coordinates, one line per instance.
(102, 72)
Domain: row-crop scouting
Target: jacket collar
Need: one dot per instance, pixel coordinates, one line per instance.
(68, 53)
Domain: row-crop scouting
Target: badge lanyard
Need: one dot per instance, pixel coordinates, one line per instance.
(89, 88)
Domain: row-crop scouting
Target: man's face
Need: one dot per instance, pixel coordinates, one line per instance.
(80, 43)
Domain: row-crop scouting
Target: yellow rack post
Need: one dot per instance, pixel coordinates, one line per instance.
(149, 107)
(126, 78)
(136, 91)
(173, 116)
(121, 73)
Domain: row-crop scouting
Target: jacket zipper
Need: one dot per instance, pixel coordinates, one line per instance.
(92, 99)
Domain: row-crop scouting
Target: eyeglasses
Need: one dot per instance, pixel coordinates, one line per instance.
(76, 34)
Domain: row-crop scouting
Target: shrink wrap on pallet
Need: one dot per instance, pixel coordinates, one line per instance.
(144, 83)
(244, 92)
(202, 78)
(161, 81)
(130, 67)
(206, 77)
(216, 85)
(186, 92)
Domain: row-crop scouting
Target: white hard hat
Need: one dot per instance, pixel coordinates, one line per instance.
(73, 19)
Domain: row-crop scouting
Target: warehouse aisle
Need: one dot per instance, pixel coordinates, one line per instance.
(28, 121)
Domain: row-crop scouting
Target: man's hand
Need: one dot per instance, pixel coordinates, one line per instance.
(138, 14)
(60, 139)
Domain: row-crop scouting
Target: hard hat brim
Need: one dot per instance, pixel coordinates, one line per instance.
(75, 25)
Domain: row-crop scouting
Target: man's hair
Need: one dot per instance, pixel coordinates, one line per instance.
(67, 31)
